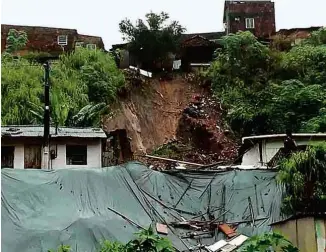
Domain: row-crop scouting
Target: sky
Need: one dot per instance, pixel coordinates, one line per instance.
(102, 17)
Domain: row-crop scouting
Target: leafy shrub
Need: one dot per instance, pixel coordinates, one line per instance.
(268, 242)
(304, 175)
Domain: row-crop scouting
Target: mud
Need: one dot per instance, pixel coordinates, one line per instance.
(153, 114)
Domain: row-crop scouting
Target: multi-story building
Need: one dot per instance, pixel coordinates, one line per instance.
(257, 16)
(51, 40)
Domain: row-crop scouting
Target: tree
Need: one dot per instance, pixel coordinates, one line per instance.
(16, 40)
(303, 175)
(317, 38)
(151, 40)
(267, 91)
(240, 79)
(306, 63)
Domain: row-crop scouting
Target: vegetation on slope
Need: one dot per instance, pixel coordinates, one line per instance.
(83, 84)
(268, 91)
(304, 175)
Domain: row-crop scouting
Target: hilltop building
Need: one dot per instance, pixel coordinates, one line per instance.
(53, 41)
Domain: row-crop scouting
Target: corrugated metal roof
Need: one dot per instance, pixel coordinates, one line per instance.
(37, 131)
(297, 135)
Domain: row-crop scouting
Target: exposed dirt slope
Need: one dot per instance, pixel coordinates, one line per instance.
(151, 114)
(154, 114)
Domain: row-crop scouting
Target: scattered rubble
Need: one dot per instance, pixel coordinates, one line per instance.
(201, 137)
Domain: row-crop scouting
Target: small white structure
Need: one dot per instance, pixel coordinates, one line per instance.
(21, 147)
(263, 148)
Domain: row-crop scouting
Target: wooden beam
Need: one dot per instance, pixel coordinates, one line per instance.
(173, 160)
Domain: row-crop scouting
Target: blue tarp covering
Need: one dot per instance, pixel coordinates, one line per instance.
(82, 207)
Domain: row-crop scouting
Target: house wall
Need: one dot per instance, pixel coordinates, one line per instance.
(307, 234)
(124, 60)
(269, 149)
(251, 157)
(18, 154)
(45, 39)
(262, 12)
(94, 152)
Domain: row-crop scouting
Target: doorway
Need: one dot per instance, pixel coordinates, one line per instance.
(7, 156)
(32, 156)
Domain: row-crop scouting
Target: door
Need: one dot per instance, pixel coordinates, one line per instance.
(32, 156)
(7, 156)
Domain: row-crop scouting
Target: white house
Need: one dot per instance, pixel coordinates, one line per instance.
(21, 147)
(263, 148)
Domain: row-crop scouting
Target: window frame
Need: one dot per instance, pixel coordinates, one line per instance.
(248, 23)
(71, 156)
(94, 45)
(79, 44)
(66, 40)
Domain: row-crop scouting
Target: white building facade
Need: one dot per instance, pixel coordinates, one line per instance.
(22, 147)
(264, 148)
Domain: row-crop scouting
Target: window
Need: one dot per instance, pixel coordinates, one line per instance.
(79, 44)
(250, 23)
(237, 19)
(62, 40)
(91, 46)
(76, 154)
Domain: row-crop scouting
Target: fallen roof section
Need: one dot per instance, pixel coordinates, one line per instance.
(17, 131)
(81, 207)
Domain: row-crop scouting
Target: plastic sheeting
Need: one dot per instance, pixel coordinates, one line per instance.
(82, 207)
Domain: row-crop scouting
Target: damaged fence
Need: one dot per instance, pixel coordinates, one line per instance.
(82, 207)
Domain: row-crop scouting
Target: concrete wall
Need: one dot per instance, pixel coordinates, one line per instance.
(94, 153)
(269, 149)
(251, 157)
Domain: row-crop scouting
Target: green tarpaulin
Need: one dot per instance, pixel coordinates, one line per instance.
(81, 207)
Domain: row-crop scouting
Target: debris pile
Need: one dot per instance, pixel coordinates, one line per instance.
(201, 126)
(200, 137)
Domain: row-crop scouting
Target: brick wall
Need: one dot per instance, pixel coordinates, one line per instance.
(263, 13)
(45, 39)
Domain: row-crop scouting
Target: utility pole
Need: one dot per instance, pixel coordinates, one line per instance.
(46, 122)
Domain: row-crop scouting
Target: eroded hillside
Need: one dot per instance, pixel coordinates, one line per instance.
(174, 119)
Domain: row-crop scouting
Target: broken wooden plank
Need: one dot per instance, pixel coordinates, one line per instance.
(141, 71)
(161, 228)
(227, 230)
(173, 160)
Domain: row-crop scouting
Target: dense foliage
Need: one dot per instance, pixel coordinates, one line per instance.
(83, 84)
(145, 241)
(151, 40)
(268, 242)
(304, 175)
(16, 40)
(268, 91)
